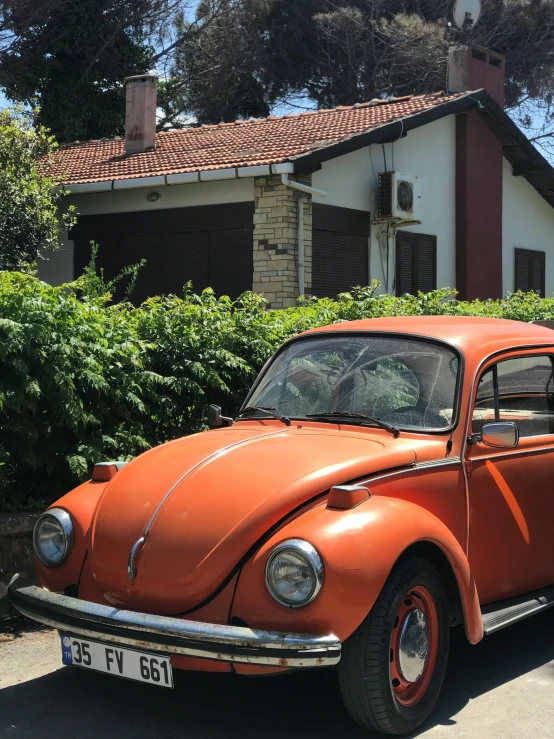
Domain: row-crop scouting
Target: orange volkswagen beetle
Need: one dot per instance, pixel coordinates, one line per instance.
(385, 480)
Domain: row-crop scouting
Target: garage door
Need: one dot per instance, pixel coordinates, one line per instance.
(339, 249)
(209, 245)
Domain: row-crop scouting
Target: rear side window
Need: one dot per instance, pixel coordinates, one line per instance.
(519, 390)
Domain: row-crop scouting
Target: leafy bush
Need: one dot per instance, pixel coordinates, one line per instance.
(31, 212)
(83, 380)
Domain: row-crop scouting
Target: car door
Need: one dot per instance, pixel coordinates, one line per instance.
(511, 491)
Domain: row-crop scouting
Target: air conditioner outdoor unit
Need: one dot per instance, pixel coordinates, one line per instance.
(399, 198)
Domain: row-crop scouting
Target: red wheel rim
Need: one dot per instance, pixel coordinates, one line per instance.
(414, 646)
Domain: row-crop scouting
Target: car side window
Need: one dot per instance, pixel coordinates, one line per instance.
(519, 390)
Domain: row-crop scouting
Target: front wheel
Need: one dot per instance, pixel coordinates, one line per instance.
(393, 666)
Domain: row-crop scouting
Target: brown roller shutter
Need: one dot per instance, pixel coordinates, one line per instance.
(130, 250)
(185, 258)
(404, 264)
(416, 263)
(212, 246)
(530, 271)
(339, 264)
(426, 263)
(339, 249)
(231, 261)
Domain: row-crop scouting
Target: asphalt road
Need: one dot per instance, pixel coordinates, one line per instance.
(502, 688)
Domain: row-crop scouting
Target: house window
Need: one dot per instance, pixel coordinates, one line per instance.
(416, 263)
(529, 271)
(339, 249)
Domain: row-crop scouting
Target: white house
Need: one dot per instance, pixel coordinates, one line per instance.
(417, 192)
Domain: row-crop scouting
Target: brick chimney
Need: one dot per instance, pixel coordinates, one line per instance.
(471, 67)
(479, 173)
(140, 113)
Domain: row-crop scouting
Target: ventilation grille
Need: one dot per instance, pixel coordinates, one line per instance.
(385, 203)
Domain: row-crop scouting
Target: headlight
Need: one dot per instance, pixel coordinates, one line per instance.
(294, 573)
(53, 537)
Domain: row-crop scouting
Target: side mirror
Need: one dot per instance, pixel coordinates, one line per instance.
(215, 419)
(501, 434)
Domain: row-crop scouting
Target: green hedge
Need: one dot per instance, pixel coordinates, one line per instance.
(83, 379)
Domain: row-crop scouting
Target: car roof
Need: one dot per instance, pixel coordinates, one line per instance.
(482, 335)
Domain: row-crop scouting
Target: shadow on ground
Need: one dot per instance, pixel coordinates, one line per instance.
(76, 704)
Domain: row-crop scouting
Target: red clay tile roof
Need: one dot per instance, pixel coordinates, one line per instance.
(241, 144)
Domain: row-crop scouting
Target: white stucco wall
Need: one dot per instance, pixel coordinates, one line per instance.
(428, 152)
(527, 223)
(59, 267)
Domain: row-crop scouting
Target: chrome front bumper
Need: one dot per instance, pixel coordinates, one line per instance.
(173, 635)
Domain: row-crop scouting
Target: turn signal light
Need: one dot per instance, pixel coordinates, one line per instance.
(344, 497)
(104, 471)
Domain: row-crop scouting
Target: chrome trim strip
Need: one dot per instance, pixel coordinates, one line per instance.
(173, 635)
(446, 462)
(431, 464)
(203, 461)
(511, 453)
(519, 617)
(131, 569)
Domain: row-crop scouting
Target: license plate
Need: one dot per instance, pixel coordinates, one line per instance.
(115, 660)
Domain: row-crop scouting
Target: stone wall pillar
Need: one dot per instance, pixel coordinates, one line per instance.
(275, 240)
(16, 552)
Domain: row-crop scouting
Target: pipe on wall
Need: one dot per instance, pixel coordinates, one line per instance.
(285, 179)
(304, 190)
(302, 198)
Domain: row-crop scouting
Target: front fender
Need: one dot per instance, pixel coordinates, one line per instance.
(80, 503)
(359, 547)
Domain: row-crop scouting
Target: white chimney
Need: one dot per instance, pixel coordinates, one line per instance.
(140, 113)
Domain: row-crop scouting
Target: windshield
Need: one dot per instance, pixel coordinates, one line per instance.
(408, 383)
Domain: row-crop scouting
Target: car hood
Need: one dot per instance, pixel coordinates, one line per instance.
(205, 500)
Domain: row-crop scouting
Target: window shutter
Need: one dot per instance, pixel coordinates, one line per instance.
(404, 264)
(339, 249)
(427, 263)
(522, 271)
(185, 257)
(529, 271)
(537, 272)
(231, 262)
(416, 263)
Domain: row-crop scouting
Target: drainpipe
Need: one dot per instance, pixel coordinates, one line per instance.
(304, 189)
(302, 198)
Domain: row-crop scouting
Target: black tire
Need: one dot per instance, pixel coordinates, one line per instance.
(364, 669)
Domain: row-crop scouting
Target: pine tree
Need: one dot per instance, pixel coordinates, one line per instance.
(339, 52)
(70, 58)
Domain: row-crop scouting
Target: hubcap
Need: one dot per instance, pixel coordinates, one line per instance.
(413, 646)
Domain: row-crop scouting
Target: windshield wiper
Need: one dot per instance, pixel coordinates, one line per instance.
(273, 412)
(349, 414)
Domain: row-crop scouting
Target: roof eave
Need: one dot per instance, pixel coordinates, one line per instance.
(178, 178)
(386, 133)
(525, 159)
